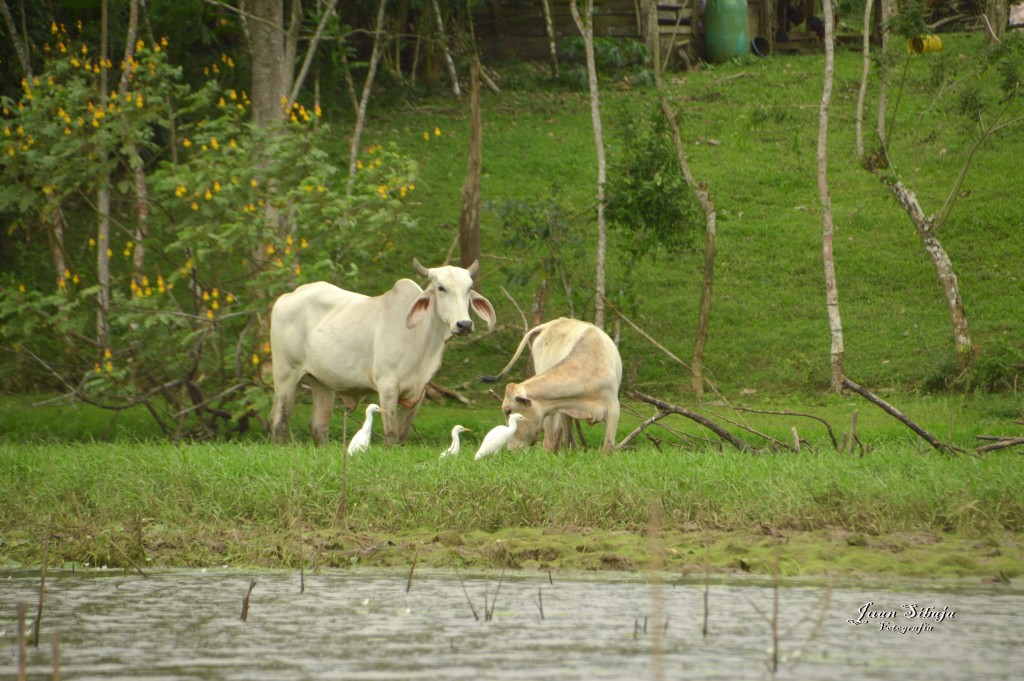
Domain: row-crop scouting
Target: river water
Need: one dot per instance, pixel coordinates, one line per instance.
(186, 624)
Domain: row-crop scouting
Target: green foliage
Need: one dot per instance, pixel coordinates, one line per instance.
(238, 214)
(646, 192)
(542, 242)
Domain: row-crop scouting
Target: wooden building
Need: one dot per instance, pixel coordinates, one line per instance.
(516, 28)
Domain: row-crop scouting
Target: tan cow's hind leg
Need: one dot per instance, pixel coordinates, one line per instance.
(323, 405)
(611, 424)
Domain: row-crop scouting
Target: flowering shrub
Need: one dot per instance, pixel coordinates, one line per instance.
(237, 214)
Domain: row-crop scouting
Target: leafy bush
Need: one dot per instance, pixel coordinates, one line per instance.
(237, 214)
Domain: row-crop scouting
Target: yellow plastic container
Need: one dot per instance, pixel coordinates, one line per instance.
(924, 43)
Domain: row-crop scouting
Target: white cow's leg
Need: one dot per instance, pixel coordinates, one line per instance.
(403, 421)
(388, 395)
(286, 381)
(323, 405)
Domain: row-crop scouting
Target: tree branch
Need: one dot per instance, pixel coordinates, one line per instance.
(702, 420)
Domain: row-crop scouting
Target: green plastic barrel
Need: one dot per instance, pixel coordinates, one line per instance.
(727, 29)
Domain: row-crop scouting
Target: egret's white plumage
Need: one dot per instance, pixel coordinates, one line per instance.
(499, 437)
(361, 440)
(454, 448)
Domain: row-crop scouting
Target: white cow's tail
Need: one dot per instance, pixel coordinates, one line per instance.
(522, 344)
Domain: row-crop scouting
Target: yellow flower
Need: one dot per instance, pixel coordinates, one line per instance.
(215, 305)
(208, 195)
(230, 298)
(426, 136)
(96, 368)
(232, 143)
(107, 354)
(195, 206)
(21, 288)
(252, 182)
(298, 269)
(437, 132)
(110, 367)
(216, 186)
(209, 314)
(138, 101)
(180, 191)
(206, 295)
(317, 110)
(186, 143)
(255, 359)
(233, 95)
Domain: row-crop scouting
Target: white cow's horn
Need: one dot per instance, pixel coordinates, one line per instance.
(420, 269)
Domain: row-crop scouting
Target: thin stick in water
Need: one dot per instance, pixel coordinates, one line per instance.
(55, 647)
(42, 591)
(408, 583)
(468, 599)
(540, 603)
(245, 601)
(22, 642)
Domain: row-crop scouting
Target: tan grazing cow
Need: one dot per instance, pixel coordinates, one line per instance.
(578, 375)
(355, 345)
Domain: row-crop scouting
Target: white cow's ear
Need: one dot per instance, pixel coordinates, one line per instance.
(483, 308)
(524, 400)
(420, 307)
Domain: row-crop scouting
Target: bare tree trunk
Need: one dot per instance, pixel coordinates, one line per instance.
(996, 17)
(103, 246)
(925, 227)
(357, 133)
(447, 53)
(267, 47)
(20, 42)
(549, 31)
(866, 52)
(835, 323)
(311, 52)
(710, 231)
(889, 10)
(134, 159)
(586, 28)
(469, 223)
(291, 47)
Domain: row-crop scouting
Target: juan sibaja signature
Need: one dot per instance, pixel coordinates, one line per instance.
(886, 619)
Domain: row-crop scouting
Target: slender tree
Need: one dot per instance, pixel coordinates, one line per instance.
(364, 100)
(103, 246)
(549, 31)
(710, 226)
(469, 222)
(586, 28)
(835, 323)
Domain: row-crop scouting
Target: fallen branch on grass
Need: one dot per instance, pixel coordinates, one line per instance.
(702, 420)
(998, 442)
(785, 412)
(893, 411)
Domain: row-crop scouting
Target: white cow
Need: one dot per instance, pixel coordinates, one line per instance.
(355, 345)
(578, 372)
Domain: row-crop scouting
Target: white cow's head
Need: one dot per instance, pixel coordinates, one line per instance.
(449, 295)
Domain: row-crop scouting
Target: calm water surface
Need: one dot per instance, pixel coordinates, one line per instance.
(365, 625)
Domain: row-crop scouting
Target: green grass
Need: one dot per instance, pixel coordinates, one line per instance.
(251, 504)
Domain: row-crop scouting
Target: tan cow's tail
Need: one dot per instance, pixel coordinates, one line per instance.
(522, 344)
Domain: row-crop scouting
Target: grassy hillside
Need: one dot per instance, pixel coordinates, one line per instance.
(750, 130)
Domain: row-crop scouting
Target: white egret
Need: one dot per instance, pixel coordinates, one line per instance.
(499, 437)
(454, 448)
(361, 440)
